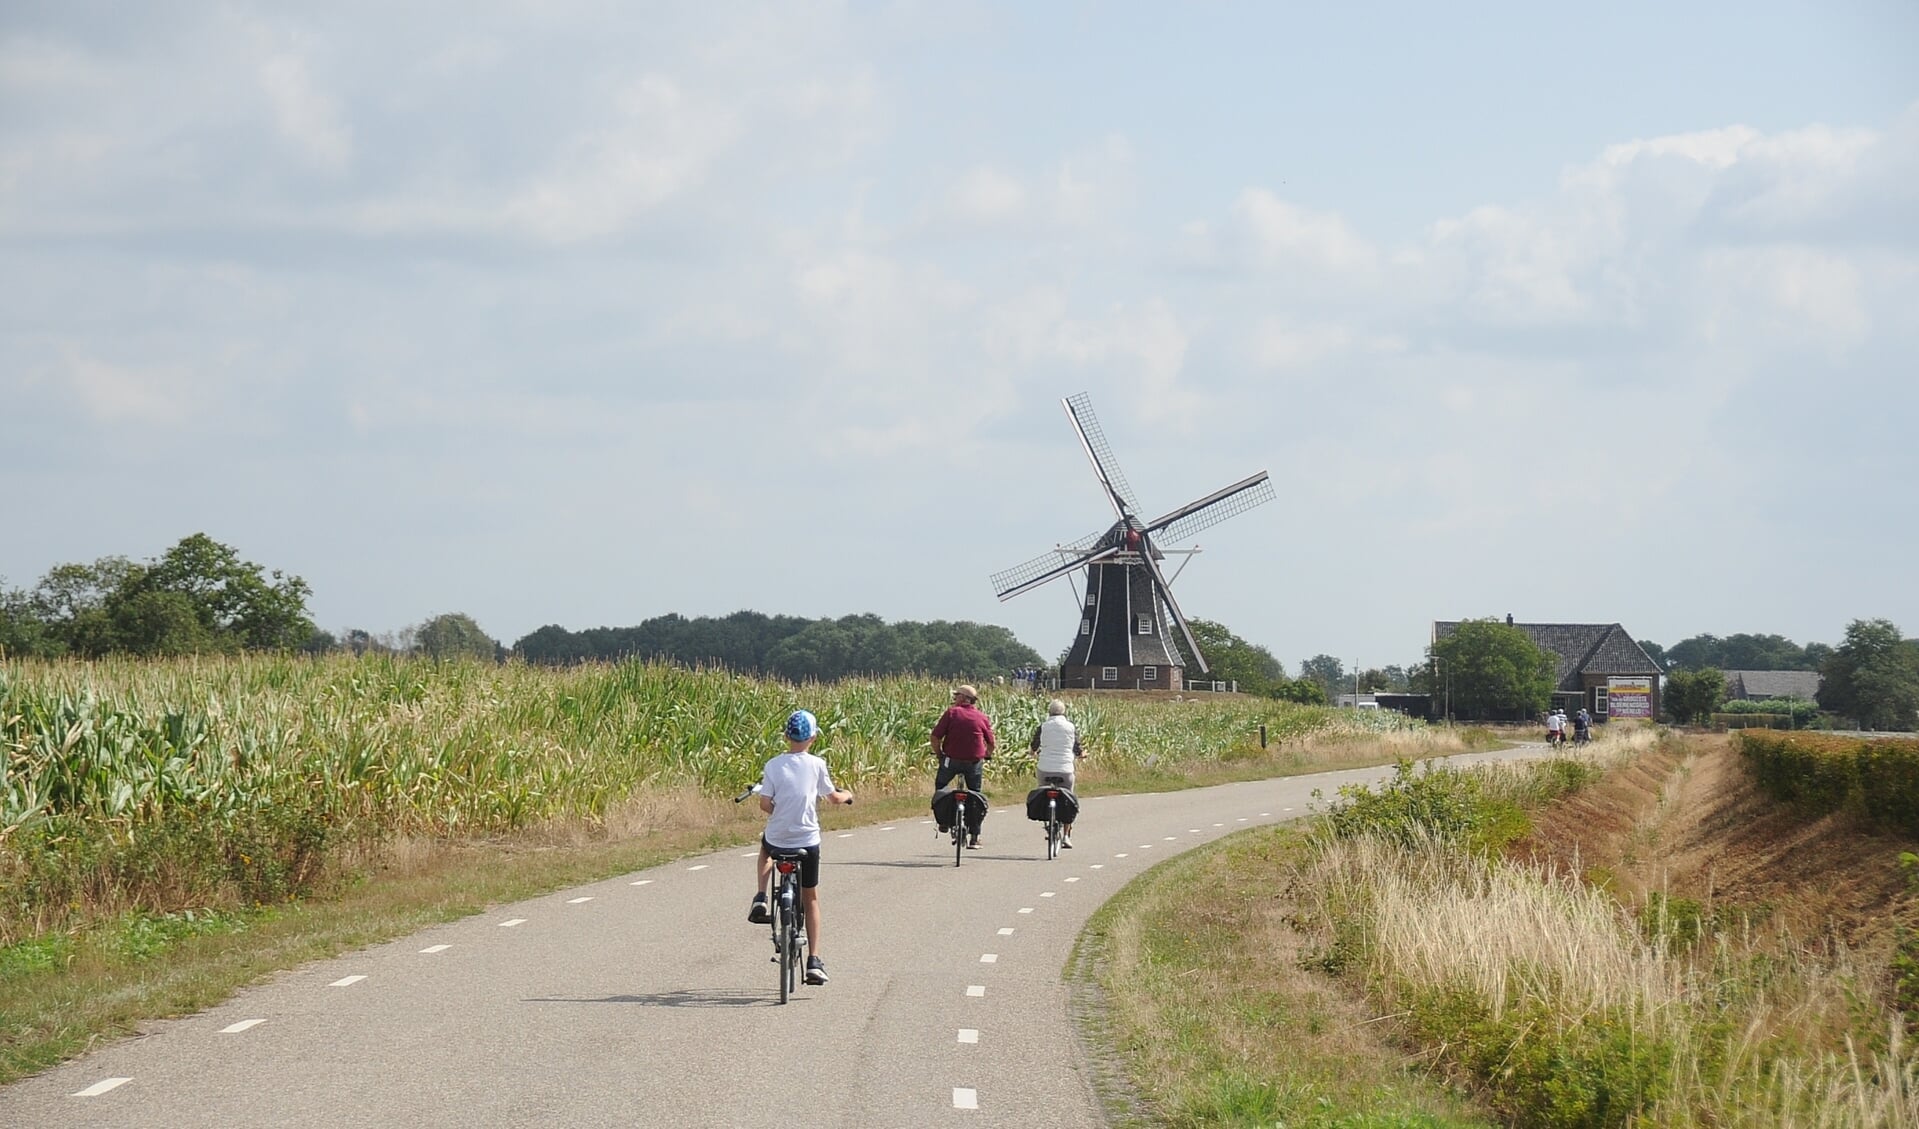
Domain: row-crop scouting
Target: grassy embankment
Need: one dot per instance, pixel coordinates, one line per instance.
(1409, 954)
(170, 831)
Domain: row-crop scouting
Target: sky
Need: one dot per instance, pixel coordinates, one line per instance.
(578, 312)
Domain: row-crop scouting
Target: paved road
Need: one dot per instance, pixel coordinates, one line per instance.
(649, 1000)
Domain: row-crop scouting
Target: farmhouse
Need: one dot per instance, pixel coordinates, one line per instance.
(1760, 685)
(1597, 666)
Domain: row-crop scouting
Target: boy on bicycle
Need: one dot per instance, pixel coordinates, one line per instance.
(791, 787)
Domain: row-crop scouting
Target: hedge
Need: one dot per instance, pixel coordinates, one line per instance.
(1819, 773)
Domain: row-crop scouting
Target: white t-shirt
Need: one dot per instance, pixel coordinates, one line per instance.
(1555, 723)
(1057, 739)
(795, 782)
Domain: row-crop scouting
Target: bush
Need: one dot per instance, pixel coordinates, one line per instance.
(1821, 773)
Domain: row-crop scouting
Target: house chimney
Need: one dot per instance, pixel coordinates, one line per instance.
(1509, 619)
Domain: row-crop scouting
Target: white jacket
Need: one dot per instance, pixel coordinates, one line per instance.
(1058, 741)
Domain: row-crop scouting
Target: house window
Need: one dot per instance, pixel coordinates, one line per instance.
(1149, 673)
(1599, 700)
(1109, 674)
(1085, 627)
(1146, 625)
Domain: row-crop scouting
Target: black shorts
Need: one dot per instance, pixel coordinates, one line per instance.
(809, 861)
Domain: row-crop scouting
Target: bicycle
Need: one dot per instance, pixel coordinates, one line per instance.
(788, 911)
(957, 827)
(1053, 805)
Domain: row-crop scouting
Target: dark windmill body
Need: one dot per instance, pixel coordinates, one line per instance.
(1127, 614)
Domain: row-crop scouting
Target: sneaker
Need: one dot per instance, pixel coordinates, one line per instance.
(815, 970)
(973, 843)
(1065, 840)
(758, 914)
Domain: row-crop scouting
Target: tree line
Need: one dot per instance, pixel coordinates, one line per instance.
(201, 597)
(792, 647)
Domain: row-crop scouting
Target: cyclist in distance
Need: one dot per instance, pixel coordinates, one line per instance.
(791, 787)
(1056, 746)
(963, 741)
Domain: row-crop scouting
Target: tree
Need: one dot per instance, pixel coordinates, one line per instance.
(1231, 658)
(23, 633)
(1694, 695)
(1654, 651)
(1328, 672)
(1873, 676)
(1741, 651)
(454, 635)
(1492, 669)
(236, 604)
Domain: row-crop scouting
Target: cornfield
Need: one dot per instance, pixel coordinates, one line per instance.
(131, 782)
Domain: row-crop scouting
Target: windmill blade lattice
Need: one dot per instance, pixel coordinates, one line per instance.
(1080, 407)
(1183, 523)
(1020, 575)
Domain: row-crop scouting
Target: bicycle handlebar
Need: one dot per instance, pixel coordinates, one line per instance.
(753, 791)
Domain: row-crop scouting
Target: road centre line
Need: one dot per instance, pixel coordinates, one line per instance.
(1242, 819)
(976, 989)
(105, 1084)
(1120, 855)
(515, 921)
(1097, 866)
(1008, 932)
(1268, 815)
(964, 1098)
(641, 882)
(1219, 825)
(968, 1035)
(1171, 838)
(848, 835)
(346, 981)
(751, 855)
(702, 866)
(435, 949)
(1075, 878)
(989, 958)
(241, 1026)
(1026, 909)
(577, 901)
(1047, 894)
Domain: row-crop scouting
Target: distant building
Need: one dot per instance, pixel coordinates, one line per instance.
(1597, 666)
(1759, 685)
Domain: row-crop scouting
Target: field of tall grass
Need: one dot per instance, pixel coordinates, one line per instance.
(162, 786)
(1570, 1009)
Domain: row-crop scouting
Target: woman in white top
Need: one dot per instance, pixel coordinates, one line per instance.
(1056, 746)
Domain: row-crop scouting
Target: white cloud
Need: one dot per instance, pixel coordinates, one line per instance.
(988, 196)
(308, 118)
(1284, 235)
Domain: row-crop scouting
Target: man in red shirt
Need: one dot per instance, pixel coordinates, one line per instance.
(963, 741)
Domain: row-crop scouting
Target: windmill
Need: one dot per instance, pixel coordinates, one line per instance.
(1124, 636)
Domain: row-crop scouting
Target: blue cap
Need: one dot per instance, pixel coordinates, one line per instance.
(802, 726)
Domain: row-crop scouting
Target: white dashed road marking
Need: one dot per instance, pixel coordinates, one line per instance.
(577, 901)
(435, 949)
(989, 958)
(1171, 838)
(1219, 825)
(241, 1026)
(1026, 909)
(105, 1084)
(976, 989)
(964, 1098)
(1097, 866)
(508, 924)
(1120, 855)
(1006, 932)
(1073, 879)
(747, 855)
(702, 866)
(649, 881)
(968, 1035)
(346, 981)
(1047, 894)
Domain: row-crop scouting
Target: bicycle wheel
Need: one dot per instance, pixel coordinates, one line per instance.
(783, 938)
(1052, 829)
(959, 829)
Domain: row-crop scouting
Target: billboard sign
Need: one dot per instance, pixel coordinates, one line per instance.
(1629, 697)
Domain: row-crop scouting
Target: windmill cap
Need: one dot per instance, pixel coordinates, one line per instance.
(966, 692)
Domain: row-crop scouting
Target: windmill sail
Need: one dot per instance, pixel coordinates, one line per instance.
(1214, 508)
(1093, 438)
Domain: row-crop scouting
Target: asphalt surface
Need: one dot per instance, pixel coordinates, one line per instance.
(649, 1000)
